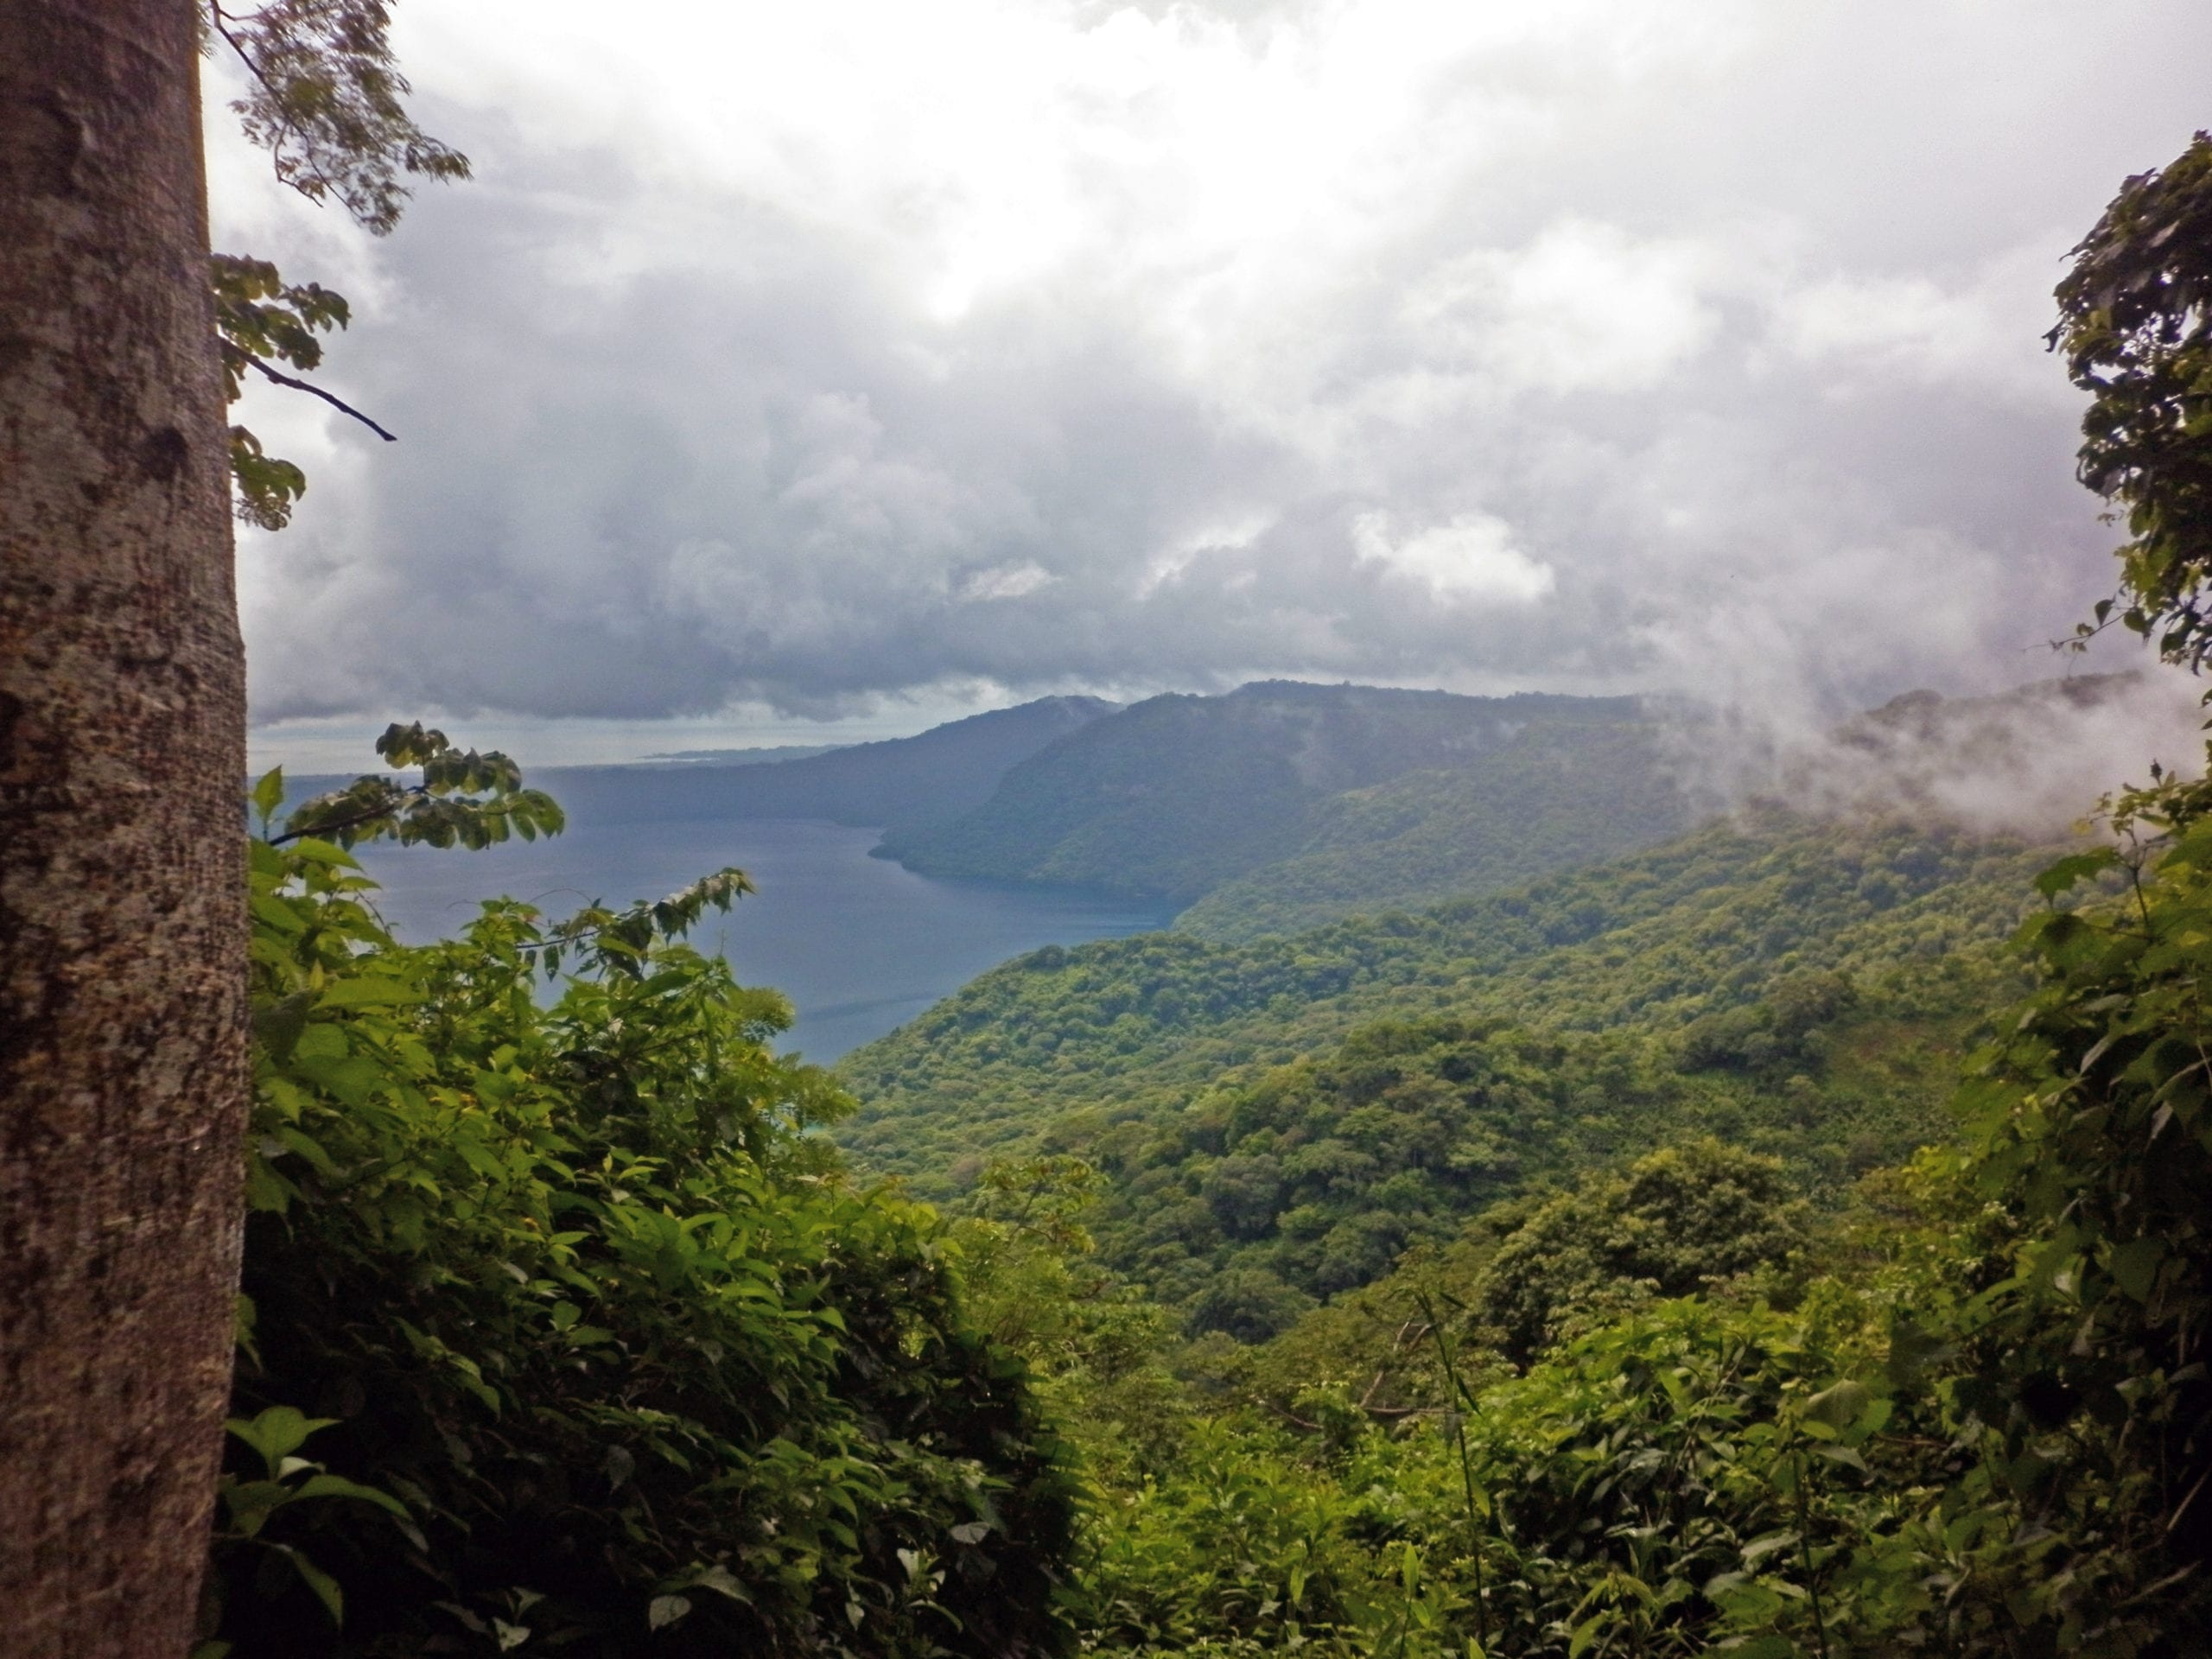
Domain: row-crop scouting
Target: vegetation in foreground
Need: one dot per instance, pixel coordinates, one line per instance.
(560, 1331)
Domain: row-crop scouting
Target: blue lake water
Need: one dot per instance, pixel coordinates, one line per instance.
(859, 944)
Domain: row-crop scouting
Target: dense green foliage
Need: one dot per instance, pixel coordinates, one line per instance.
(562, 1330)
(1178, 795)
(1561, 794)
(1969, 1418)
(2135, 324)
(1319, 1174)
(1057, 1048)
(2091, 1125)
(1680, 1221)
(1653, 1487)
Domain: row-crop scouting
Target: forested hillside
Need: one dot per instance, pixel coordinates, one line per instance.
(1176, 796)
(1563, 792)
(1081, 1049)
(1284, 1187)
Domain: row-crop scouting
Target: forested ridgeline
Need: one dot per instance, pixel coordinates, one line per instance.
(1281, 806)
(1100, 1049)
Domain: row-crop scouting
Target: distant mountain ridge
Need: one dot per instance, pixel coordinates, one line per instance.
(1179, 796)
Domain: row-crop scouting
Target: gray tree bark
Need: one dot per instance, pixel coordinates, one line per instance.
(123, 1079)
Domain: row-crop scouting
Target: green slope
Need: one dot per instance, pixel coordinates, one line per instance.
(1067, 1049)
(1561, 793)
(1294, 1183)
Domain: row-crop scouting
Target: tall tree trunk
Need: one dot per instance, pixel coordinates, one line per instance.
(122, 910)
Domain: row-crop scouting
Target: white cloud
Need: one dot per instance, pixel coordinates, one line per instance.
(1004, 581)
(1582, 306)
(1471, 558)
(1875, 330)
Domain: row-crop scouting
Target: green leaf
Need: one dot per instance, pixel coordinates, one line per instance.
(268, 794)
(1913, 1351)
(719, 1580)
(277, 1432)
(365, 991)
(1767, 1543)
(664, 1611)
(278, 1026)
(338, 1486)
(2064, 874)
(1839, 1405)
(1760, 1647)
(2135, 1265)
(1587, 1633)
(325, 1587)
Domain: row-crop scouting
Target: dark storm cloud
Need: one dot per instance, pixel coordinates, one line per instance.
(1717, 370)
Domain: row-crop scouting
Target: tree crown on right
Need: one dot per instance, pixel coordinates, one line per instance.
(2135, 326)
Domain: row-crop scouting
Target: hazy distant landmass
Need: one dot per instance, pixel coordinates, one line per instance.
(904, 783)
(1282, 806)
(1293, 804)
(754, 757)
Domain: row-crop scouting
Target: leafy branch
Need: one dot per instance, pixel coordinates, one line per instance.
(328, 104)
(464, 799)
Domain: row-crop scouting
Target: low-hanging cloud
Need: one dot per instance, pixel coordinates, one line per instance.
(1046, 348)
(2033, 760)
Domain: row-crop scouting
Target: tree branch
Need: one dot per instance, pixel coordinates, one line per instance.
(221, 19)
(319, 831)
(338, 404)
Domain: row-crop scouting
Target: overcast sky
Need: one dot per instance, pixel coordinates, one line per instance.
(837, 368)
